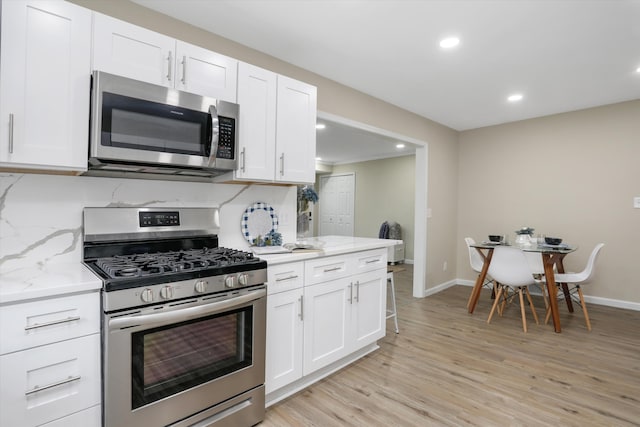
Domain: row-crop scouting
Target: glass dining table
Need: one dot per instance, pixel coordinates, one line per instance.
(552, 256)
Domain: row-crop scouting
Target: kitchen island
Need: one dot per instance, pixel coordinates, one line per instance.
(326, 308)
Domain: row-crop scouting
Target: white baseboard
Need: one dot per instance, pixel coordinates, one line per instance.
(629, 305)
(439, 288)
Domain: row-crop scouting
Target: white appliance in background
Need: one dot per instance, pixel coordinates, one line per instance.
(395, 254)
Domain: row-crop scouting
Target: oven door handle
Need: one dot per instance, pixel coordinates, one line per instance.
(185, 313)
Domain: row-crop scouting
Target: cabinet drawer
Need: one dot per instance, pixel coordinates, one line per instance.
(284, 277)
(46, 383)
(36, 323)
(91, 417)
(369, 260)
(325, 269)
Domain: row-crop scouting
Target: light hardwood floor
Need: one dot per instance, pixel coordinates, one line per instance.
(449, 368)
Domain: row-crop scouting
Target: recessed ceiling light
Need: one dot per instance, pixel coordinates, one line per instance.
(318, 158)
(400, 145)
(320, 126)
(515, 97)
(449, 42)
(638, 70)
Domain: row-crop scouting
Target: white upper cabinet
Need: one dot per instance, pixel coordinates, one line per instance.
(131, 51)
(277, 138)
(205, 72)
(44, 80)
(257, 131)
(296, 131)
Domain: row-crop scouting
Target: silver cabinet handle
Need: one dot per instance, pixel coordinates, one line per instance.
(372, 261)
(48, 386)
(53, 322)
(287, 278)
(301, 307)
(11, 133)
(332, 269)
(282, 164)
(243, 155)
(358, 291)
(350, 293)
(169, 63)
(184, 70)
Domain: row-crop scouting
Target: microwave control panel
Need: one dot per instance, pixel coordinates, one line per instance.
(226, 138)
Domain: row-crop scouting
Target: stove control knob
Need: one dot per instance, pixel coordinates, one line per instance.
(243, 279)
(166, 292)
(201, 286)
(147, 295)
(230, 281)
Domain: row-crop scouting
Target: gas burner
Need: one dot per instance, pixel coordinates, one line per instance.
(149, 264)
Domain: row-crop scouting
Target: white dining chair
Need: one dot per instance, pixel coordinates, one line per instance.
(476, 262)
(577, 279)
(510, 269)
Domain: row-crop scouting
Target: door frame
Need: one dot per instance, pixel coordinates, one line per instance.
(420, 197)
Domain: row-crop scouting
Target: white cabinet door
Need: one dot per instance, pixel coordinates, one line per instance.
(368, 311)
(128, 50)
(46, 383)
(326, 317)
(206, 73)
(295, 131)
(257, 131)
(45, 76)
(284, 339)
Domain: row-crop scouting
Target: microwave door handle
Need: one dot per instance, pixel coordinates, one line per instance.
(215, 130)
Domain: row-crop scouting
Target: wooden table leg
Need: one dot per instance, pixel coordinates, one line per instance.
(475, 293)
(548, 260)
(565, 287)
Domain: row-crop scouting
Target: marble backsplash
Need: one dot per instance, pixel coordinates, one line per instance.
(41, 215)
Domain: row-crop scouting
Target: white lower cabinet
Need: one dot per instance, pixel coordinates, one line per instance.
(284, 339)
(50, 362)
(49, 382)
(323, 313)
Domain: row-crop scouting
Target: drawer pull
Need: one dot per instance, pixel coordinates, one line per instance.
(372, 261)
(48, 386)
(332, 269)
(287, 278)
(53, 322)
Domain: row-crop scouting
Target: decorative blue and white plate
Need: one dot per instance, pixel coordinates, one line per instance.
(258, 219)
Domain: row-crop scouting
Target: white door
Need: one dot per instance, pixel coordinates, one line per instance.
(368, 317)
(336, 205)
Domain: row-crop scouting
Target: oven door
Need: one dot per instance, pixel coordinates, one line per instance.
(167, 363)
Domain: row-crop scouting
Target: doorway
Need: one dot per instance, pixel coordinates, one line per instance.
(336, 212)
(420, 197)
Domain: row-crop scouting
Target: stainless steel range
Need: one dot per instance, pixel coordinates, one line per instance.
(183, 329)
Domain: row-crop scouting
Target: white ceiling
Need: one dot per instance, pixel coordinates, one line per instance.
(562, 55)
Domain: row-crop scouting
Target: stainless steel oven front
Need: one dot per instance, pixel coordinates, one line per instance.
(193, 361)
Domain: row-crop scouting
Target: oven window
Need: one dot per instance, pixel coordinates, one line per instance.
(144, 125)
(170, 359)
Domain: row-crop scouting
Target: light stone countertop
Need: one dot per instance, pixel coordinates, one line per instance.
(50, 280)
(329, 246)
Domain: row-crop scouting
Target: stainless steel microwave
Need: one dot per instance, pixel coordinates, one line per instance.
(142, 130)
